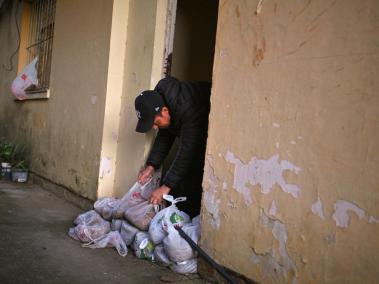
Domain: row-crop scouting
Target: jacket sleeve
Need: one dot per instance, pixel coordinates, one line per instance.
(161, 147)
(192, 144)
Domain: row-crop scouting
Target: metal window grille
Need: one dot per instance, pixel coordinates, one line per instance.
(40, 40)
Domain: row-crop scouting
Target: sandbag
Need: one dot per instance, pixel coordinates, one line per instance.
(127, 232)
(105, 207)
(116, 224)
(141, 214)
(90, 226)
(185, 267)
(112, 239)
(88, 218)
(134, 196)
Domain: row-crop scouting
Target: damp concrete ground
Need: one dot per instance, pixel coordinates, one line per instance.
(35, 247)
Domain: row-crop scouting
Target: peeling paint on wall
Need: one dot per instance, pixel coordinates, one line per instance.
(317, 209)
(373, 220)
(274, 264)
(224, 185)
(212, 205)
(105, 167)
(341, 216)
(273, 209)
(210, 200)
(265, 173)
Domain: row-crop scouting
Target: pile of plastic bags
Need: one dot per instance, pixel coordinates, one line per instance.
(133, 221)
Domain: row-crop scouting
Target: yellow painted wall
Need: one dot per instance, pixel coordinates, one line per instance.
(64, 132)
(291, 193)
(137, 77)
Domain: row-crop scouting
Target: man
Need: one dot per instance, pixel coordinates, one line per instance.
(177, 109)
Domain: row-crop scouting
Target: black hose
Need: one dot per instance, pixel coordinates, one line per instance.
(206, 257)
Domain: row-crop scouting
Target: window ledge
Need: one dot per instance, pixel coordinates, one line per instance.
(36, 96)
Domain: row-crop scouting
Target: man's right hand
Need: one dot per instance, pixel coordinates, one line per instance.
(145, 175)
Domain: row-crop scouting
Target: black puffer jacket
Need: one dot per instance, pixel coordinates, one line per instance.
(189, 106)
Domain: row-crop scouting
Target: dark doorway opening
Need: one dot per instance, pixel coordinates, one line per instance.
(193, 47)
(194, 40)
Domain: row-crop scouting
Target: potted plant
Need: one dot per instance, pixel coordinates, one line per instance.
(6, 152)
(19, 163)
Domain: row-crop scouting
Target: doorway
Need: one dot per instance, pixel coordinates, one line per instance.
(194, 40)
(193, 47)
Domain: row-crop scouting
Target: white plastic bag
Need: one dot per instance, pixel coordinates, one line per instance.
(170, 214)
(185, 267)
(134, 196)
(112, 239)
(196, 221)
(116, 224)
(143, 247)
(177, 248)
(193, 231)
(88, 218)
(105, 207)
(128, 232)
(90, 226)
(156, 232)
(160, 255)
(173, 216)
(25, 79)
(141, 214)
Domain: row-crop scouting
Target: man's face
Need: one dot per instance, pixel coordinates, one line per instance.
(162, 120)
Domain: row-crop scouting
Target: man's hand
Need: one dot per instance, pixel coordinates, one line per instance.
(145, 175)
(157, 195)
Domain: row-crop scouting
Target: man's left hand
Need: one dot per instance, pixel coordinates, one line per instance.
(157, 195)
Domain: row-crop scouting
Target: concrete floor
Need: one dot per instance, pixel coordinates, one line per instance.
(35, 247)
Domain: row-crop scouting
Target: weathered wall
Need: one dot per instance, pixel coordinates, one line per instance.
(115, 87)
(8, 71)
(65, 130)
(137, 77)
(291, 193)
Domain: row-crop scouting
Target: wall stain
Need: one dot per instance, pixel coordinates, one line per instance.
(275, 264)
(238, 14)
(311, 29)
(210, 200)
(302, 43)
(259, 45)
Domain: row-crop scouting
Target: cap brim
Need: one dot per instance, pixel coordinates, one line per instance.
(144, 126)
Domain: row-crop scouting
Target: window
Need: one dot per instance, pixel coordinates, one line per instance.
(39, 34)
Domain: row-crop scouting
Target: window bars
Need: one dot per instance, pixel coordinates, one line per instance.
(40, 40)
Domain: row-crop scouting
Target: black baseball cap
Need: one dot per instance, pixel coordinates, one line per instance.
(148, 104)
